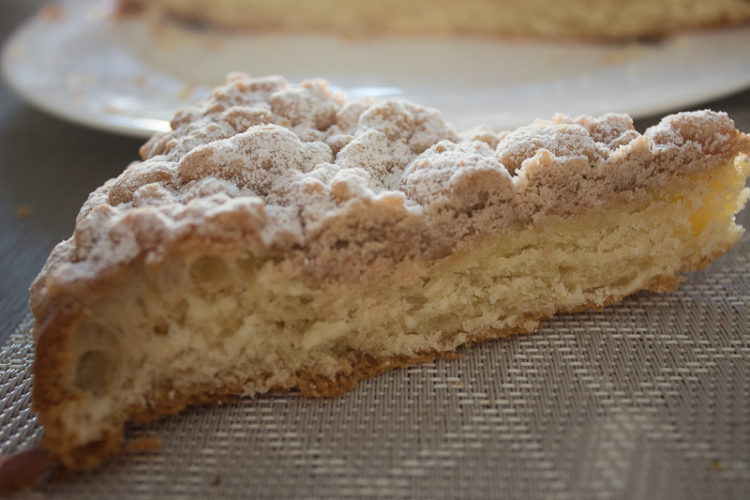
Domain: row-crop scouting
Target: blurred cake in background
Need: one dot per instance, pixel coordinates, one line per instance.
(585, 19)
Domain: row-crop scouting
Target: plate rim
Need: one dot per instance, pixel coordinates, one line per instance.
(129, 126)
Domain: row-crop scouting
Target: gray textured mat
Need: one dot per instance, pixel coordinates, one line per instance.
(646, 399)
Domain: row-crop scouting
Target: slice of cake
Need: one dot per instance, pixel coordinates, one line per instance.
(283, 237)
(602, 19)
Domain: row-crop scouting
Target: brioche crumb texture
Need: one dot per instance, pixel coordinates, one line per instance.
(241, 324)
(282, 237)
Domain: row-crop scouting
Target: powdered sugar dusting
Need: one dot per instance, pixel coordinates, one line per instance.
(263, 167)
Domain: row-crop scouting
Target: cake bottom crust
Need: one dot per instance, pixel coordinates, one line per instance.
(673, 232)
(310, 383)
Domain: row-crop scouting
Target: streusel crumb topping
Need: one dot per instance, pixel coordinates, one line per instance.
(342, 186)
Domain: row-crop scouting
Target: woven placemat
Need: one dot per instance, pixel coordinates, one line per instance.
(647, 399)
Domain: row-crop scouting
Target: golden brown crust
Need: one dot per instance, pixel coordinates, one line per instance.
(337, 191)
(353, 367)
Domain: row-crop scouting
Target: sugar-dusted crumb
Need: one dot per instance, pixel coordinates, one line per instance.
(24, 211)
(53, 12)
(303, 167)
(186, 91)
(140, 79)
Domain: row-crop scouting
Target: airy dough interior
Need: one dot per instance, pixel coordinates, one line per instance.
(239, 324)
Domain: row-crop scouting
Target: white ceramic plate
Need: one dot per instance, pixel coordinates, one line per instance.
(83, 64)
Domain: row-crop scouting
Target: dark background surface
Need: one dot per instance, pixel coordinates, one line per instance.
(48, 167)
